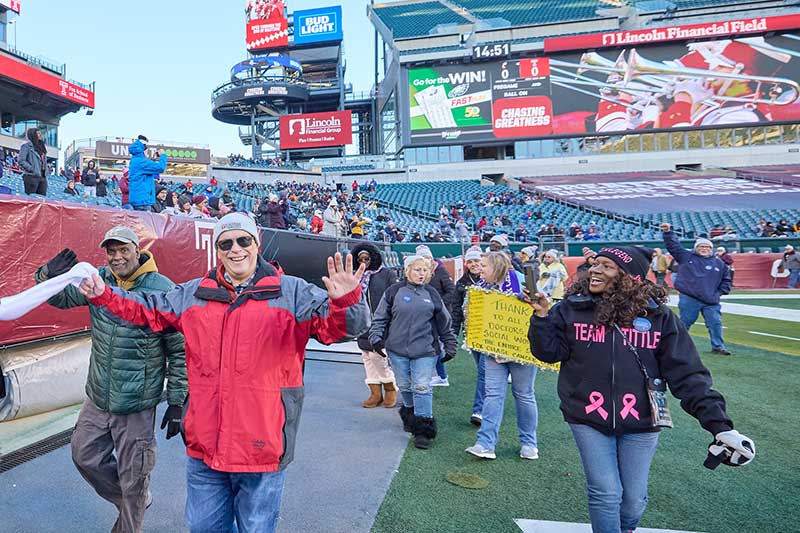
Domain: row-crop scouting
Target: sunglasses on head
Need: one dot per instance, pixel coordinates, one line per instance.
(227, 244)
(364, 259)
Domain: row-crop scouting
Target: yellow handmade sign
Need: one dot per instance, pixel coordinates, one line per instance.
(497, 324)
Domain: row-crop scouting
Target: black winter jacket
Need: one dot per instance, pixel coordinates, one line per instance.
(378, 283)
(601, 384)
(466, 281)
(443, 283)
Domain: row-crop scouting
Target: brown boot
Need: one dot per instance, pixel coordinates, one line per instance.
(390, 396)
(375, 398)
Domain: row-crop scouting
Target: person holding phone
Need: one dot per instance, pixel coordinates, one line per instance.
(495, 267)
(612, 331)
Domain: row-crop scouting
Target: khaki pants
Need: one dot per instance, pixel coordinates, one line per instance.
(377, 368)
(122, 477)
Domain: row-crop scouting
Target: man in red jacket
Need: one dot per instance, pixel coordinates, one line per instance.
(246, 327)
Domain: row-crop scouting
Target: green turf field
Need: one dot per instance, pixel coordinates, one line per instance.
(756, 333)
(760, 497)
(766, 302)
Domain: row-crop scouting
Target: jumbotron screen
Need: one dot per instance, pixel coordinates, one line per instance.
(739, 81)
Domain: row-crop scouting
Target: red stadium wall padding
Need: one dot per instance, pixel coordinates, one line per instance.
(33, 232)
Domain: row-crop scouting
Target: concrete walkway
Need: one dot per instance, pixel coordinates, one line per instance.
(760, 311)
(345, 459)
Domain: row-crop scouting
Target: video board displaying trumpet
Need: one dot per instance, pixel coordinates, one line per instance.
(740, 81)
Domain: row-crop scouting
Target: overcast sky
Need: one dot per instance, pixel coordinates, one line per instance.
(156, 62)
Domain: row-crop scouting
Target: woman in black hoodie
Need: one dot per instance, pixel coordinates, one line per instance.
(614, 335)
(374, 283)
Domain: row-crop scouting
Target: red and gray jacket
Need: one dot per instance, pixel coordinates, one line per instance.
(244, 357)
(601, 384)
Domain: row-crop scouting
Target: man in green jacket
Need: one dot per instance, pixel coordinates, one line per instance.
(127, 369)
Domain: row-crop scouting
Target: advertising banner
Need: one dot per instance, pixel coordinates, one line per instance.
(497, 324)
(267, 27)
(316, 130)
(744, 81)
(461, 103)
(13, 5)
(175, 154)
(18, 71)
(318, 25)
(672, 33)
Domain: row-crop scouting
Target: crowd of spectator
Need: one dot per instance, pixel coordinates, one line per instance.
(238, 160)
(783, 228)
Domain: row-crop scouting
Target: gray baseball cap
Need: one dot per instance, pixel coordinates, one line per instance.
(121, 234)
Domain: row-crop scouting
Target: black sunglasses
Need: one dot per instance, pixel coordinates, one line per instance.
(227, 244)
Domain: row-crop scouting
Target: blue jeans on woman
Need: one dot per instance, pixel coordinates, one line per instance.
(480, 386)
(215, 499)
(690, 309)
(522, 378)
(616, 468)
(441, 371)
(413, 378)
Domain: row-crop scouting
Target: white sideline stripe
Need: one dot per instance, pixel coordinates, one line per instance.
(757, 311)
(545, 526)
(761, 296)
(759, 333)
(772, 335)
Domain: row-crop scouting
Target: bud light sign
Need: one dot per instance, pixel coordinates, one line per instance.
(318, 25)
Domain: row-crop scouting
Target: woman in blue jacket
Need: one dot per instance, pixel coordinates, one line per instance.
(617, 341)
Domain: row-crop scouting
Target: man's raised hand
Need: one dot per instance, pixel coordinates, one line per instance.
(92, 287)
(341, 279)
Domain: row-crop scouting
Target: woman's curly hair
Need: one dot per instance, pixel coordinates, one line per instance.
(626, 299)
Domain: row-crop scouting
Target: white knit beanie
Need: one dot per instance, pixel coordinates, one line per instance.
(411, 259)
(473, 253)
(423, 250)
(700, 241)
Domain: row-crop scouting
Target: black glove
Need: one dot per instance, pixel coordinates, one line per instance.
(447, 356)
(61, 263)
(377, 347)
(172, 420)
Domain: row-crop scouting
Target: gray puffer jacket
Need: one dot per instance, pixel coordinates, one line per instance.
(410, 320)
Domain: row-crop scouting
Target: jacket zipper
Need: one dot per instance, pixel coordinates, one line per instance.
(613, 379)
(219, 385)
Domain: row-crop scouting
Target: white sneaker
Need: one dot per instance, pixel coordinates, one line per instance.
(529, 452)
(436, 381)
(480, 451)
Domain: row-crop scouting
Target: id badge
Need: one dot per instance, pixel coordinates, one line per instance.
(659, 410)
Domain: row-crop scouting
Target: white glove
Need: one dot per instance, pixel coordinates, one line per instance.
(731, 448)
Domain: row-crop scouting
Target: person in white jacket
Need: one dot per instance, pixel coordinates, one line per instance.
(332, 219)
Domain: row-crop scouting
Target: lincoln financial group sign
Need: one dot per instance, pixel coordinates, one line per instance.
(175, 154)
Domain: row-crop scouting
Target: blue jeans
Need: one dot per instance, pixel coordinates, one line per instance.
(413, 377)
(616, 469)
(214, 499)
(496, 385)
(441, 371)
(794, 278)
(480, 386)
(690, 308)
(143, 208)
